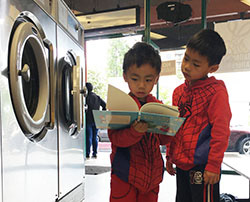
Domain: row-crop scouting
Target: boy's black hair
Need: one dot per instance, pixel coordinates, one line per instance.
(142, 53)
(208, 43)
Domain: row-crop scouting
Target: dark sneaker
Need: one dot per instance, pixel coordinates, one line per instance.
(94, 156)
(87, 157)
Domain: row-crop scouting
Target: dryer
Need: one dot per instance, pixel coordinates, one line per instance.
(71, 77)
(28, 121)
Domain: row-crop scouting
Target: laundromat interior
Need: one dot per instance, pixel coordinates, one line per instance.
(48, 49)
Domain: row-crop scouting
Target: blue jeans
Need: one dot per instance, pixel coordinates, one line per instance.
(91, 138)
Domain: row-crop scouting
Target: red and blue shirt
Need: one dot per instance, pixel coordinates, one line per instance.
(136, 157)
(203, 137)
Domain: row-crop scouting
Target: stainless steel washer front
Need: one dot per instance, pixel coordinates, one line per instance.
(28, 129)
(71, 77)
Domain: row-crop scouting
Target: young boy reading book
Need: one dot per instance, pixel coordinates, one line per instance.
(137, 164)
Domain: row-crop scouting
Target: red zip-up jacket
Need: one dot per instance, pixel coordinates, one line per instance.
(136, 157)
(203, 138)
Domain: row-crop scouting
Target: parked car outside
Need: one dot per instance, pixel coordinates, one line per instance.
(239, 140)
(103, 135)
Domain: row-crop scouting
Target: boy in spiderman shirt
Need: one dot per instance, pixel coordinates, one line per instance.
(198, 148)
(137, 165)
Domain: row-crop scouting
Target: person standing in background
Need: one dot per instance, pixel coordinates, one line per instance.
(93, 101)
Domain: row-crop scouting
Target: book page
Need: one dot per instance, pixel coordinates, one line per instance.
(120, 101)
(117, 119)
(161, 123)
(114, 119)
(158, 108)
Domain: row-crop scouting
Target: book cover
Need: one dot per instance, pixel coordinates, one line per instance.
(122, 111)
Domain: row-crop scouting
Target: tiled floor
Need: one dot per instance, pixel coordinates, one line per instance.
(97, 186)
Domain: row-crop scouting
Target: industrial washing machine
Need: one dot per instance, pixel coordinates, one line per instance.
(70, 89)
(41, 102)
(28, 121)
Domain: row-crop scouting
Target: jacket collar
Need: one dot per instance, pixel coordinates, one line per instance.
(200, 83)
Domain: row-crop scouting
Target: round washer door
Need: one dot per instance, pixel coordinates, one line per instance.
(29, 78)
(71, 93)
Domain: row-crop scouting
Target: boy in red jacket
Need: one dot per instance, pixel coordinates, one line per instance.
(137, 165)
(198, 148)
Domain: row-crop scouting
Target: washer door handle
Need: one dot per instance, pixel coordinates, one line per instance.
(77, 94)
(84, 91)
(49, 46)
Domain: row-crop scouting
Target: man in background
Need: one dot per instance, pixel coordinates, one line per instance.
(93, 101)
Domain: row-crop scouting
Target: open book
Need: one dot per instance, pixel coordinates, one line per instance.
(122, 111)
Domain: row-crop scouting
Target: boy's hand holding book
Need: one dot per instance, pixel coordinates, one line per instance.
(140, 126)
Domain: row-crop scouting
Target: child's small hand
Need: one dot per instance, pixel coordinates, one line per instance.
(170, 169)
(140, 126)
(211, 178)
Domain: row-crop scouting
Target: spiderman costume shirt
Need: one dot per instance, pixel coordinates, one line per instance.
(203, 137)
(136, 157)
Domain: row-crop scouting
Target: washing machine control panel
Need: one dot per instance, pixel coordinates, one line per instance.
(68, 21)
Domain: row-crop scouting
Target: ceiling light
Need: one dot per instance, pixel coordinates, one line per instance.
(247, 2)
(108, 19)
(155, 36)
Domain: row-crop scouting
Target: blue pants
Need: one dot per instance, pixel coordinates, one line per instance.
(91, 139)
